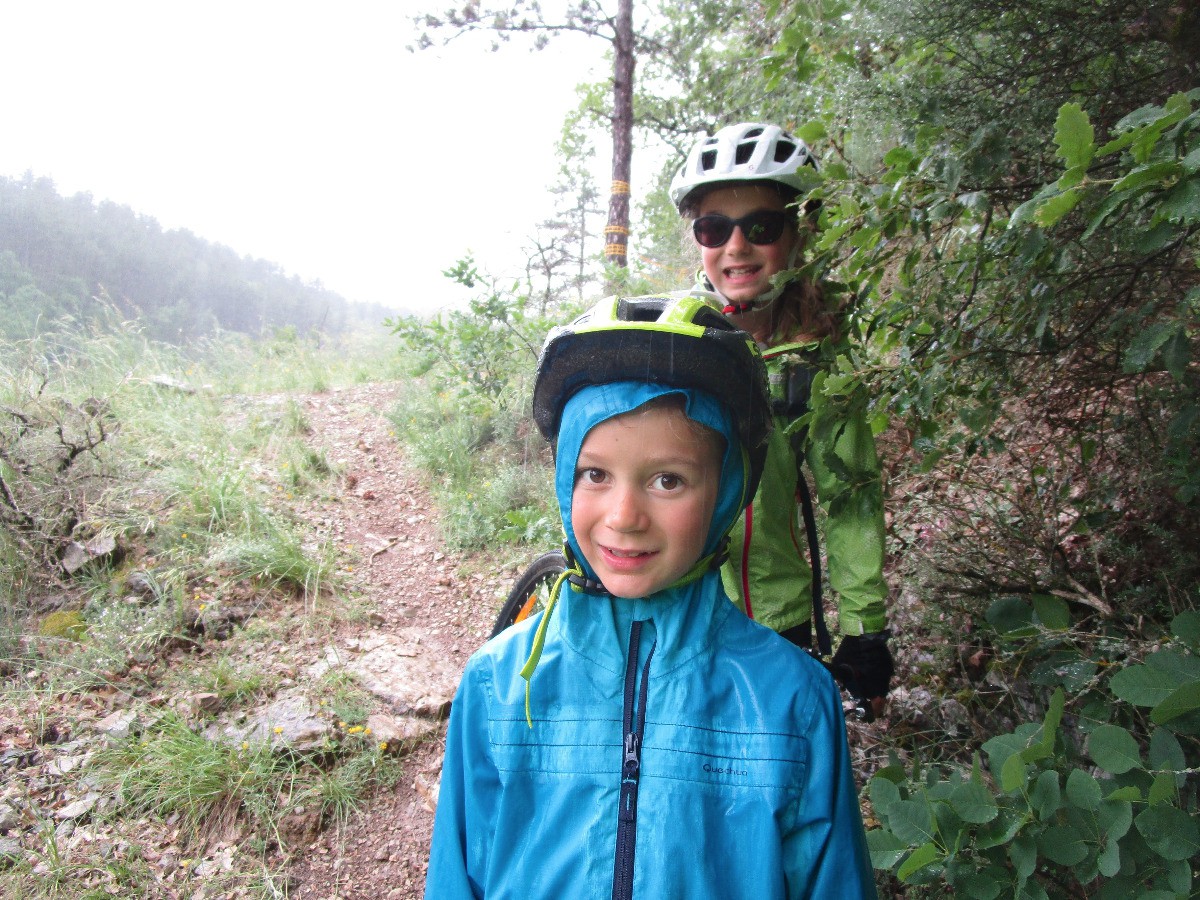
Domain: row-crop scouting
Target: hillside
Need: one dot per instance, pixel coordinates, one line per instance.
(69, 256)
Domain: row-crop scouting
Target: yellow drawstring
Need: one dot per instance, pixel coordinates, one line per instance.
(539, 637)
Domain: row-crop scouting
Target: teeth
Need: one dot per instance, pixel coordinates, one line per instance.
(626, 554)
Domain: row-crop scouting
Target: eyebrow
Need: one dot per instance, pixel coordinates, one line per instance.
(590, 459)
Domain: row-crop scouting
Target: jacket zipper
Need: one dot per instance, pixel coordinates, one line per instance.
(634, 726)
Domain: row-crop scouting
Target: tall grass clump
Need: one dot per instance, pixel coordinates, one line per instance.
(170, 769)
(278, 556)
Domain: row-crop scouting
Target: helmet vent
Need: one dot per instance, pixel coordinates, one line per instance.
(708, 160)
(743, 154)
(753, 133)
(784, 150)
(635, 311)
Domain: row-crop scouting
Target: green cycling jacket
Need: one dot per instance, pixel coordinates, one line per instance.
(768, 573)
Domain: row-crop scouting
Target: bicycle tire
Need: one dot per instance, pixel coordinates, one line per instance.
(531, 590)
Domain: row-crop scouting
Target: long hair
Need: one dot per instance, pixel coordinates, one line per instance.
(800, 313)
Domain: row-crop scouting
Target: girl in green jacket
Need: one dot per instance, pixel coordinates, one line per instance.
(741, 188)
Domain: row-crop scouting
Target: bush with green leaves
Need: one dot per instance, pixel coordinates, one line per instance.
(1096, 800)
(1045, 334)
(471, 430)
(481, 355)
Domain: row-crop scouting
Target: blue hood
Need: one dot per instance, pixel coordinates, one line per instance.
(597, 403)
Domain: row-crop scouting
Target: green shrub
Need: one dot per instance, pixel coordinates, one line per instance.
(470, 430)
(1097, 800)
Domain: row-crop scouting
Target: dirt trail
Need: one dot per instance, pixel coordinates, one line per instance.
(405, 579)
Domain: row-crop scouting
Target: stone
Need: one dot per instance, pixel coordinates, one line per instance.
(427, 786)
(396, 668)
(141, 585)
(116, 725)
(63, 765)
(10, 852)
(78, 809)
(206, 702)
(10, 817)
(399, 731)
(77, 554)
(330, 660)
(956, 719)
(290, 720)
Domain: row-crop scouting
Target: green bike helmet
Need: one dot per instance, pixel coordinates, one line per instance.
(678, 340)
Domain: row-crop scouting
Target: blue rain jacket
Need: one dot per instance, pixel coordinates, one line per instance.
(730, 779)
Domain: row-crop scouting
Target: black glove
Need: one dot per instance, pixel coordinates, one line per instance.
(866, 664)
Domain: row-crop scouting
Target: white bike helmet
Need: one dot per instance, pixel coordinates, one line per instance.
(744, 152)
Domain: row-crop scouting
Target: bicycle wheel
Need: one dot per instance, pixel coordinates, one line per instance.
(531, 591)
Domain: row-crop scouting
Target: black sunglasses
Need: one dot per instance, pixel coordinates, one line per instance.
(762, 227)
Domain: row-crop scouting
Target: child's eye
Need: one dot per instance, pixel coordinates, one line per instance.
(590, 476)
(668, 482)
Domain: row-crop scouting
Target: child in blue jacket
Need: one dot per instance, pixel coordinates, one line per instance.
(642, 737)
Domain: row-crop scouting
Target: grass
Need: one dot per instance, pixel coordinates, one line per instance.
(171, 770)
(278, 556)
(488, 470)
(341, 695)
(232, 683)
(203, 459)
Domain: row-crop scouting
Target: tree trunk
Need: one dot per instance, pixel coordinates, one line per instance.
(616, 234)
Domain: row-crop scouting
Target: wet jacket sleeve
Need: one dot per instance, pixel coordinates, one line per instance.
(466, 808)
(839, 449)
(768, 575)
(826, 853)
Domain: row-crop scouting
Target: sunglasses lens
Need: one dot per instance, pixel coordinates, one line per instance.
(763, 227)
(712, 231)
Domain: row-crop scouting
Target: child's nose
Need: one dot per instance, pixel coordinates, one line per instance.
(626, 512)
(737, 242)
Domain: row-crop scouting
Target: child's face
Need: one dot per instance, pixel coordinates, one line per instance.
(739, 269)
(645, 486)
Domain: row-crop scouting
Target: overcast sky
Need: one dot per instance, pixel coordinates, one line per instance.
(298, 132)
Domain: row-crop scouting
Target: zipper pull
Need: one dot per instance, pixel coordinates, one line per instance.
(633, 752)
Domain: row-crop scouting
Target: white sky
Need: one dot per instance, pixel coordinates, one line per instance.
(297, 132)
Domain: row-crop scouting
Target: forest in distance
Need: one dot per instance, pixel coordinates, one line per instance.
(1009, 227)
(72, 257)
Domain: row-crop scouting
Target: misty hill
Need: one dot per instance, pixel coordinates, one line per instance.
(63, 256)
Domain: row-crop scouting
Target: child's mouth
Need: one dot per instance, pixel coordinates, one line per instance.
(742, 271)
(626, 558)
